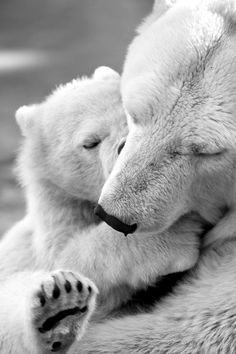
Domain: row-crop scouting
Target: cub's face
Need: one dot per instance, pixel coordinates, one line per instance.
(179, 92)
(72, 137)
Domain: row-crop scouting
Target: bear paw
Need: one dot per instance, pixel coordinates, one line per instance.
(61, 308)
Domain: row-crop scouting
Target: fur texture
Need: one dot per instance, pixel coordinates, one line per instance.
(70, 146)
(179, 156)
(199, 317)
(180, 102)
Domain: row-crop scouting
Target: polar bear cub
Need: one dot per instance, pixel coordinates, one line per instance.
(71, 143)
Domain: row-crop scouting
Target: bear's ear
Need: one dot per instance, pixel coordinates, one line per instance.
(162, 6)
(105, 73)
(25, 117)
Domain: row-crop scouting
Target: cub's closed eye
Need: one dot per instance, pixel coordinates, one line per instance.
(91, 144)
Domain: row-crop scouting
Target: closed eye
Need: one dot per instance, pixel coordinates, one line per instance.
(91, 144)
(206, 154)
(204, 151)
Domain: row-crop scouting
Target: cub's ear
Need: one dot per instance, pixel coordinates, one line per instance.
(105, 73)
(25, 118)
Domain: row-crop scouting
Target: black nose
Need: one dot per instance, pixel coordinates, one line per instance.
(115, 223)
(121, 145)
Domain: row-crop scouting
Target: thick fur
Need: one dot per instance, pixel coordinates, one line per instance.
(179, 92)
(199, 317)
(180, 101)
(70, 147)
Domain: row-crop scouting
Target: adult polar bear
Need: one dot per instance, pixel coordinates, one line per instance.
(179, 90)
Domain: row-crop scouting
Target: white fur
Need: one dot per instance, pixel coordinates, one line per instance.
(180, 100)
(198, 318)
(178, 88)
(105, 73)
(24, 118)
(63, 179)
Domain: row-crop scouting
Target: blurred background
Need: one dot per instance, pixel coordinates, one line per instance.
(43, 44)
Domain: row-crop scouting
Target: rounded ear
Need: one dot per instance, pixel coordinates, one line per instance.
(105, 73)
(25, 117)
(161, 6)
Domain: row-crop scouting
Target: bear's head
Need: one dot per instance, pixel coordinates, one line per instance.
(71, 139)
(179, 92)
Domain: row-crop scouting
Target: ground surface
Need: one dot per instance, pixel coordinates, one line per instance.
(43, 44)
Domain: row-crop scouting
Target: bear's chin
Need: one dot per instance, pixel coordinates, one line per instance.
(159, 228)
(151, 229)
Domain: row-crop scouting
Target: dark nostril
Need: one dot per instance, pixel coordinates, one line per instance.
(56, 346)
(120, 147)
(115, 223)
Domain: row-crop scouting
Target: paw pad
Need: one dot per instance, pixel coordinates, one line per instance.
(65, 302)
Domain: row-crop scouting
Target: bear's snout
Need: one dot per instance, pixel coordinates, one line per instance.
(114, 222)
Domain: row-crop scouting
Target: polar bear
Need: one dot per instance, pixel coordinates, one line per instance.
(180, 104)
(179, 92)
(50, 260)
